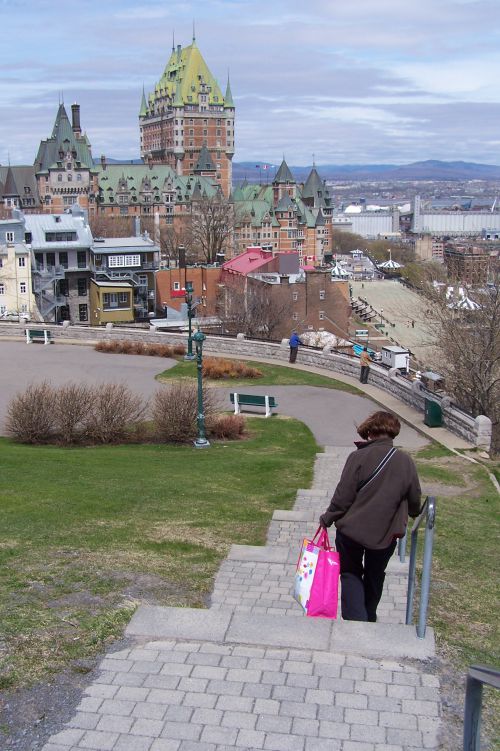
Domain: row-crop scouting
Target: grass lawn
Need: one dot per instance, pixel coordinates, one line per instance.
(463, 606)
(89, 532)
(272, 375)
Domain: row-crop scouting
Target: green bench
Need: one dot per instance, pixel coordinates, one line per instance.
(253, 400)
(38, 335)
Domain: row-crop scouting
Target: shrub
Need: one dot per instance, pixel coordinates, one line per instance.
(137, 348)
(179, 349)
(227, 427)
(175, 410)
(72, 404)
(113, 412)
(220, 368)
(125, 347)
(31, 415)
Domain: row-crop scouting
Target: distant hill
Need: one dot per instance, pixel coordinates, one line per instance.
(431, 169)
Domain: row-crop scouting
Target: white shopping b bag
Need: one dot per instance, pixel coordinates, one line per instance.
(317, 577)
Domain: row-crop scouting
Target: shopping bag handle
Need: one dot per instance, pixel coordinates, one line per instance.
(323, 540)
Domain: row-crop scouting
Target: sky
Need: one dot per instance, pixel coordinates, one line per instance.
(350, 82)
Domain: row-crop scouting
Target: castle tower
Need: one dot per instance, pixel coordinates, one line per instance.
(185, 113)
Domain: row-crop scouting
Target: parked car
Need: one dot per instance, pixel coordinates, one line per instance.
(10, 315)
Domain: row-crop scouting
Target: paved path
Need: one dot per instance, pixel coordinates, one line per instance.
(331, 415)
(252, 672)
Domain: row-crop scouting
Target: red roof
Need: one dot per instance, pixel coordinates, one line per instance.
(247, 262)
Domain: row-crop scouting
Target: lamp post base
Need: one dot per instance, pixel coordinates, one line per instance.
(201, 443)
(190, 357)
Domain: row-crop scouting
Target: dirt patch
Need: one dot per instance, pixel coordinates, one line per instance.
(28, 717)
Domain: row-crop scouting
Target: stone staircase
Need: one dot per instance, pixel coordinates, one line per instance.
(251, 672)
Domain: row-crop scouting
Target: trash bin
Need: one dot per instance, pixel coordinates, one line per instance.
(433, 414)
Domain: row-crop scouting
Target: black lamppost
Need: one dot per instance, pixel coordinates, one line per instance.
(201, 442)
(189, 303)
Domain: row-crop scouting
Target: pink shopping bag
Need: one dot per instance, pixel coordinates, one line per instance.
(317, 577)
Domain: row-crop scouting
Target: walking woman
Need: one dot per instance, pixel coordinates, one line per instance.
(377, 491)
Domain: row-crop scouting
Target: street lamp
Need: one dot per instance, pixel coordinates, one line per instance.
(201, 442)
(189, 303)
(381, 314)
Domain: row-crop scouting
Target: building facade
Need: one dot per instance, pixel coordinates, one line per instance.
(186, 111)
(16, 292)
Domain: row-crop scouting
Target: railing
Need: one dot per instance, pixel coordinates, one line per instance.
(477, 676)
(428, 512)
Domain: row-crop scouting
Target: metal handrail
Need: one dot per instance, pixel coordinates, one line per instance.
(427, 512)
(477, 676)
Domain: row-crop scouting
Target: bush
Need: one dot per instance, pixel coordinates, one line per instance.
(175, 410)
(113, 413)
(127, 347)
(138, 348)
(179, 349)
(218, 368)
(72, 404)
(227, 427)
(31, 415)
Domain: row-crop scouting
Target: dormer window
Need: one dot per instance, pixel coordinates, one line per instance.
(59, 178)
(68, 165)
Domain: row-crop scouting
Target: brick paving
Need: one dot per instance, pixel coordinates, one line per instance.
(186, 694)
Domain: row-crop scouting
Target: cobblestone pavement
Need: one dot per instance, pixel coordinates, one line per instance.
(218, 693)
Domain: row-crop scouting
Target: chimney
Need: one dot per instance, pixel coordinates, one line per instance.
(150, 160)
(75, 119)
(137, 226)
(103, 161)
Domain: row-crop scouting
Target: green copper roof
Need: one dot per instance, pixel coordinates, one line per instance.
(185, 77)
(144, 107)
(137, 179)
(284, 175)
(53, 150)
(204, 163)
(228, 99)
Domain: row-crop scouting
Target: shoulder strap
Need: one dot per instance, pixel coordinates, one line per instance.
(377, 470)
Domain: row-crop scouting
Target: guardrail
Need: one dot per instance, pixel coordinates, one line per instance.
(427, 512)
(477, 677)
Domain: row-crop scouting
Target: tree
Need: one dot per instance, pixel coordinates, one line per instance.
(211, 227)
(252, 307)
(468, 342)
(172, 238)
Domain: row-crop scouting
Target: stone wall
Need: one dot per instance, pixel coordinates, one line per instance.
(475, 430)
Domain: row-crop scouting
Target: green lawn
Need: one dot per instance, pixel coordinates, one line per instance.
(89, 532)
(272, 375)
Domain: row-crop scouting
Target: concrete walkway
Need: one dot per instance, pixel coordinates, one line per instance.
(252, 672)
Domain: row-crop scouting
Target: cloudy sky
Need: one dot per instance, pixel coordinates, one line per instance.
(351, 81)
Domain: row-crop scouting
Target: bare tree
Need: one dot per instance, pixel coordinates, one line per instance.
(253, 307)
(211, 227)
(104, 225)
(469, 345)
(174, 237)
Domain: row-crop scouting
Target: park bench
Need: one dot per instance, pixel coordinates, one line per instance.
(253, 400)
(38, 335)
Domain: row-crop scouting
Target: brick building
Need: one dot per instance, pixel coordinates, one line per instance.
(185, 112)
(467, 264)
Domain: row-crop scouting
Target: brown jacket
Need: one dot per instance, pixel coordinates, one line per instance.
(378, 513)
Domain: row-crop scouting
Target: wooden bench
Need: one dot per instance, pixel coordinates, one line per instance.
(253, 400)
(38, 335)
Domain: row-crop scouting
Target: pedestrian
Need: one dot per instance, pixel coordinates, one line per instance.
(294, 342)
(377, 491)
(365, 362)
(413, 324)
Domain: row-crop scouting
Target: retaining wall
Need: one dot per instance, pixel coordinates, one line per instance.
(475, 430)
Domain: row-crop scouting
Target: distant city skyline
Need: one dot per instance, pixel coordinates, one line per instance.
(352, 83)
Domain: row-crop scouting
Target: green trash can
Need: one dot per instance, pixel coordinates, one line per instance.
(433, 414)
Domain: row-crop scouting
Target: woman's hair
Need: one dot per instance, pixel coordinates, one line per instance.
(380, 423)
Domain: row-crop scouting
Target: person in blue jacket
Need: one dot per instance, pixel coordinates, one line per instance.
(294, 345)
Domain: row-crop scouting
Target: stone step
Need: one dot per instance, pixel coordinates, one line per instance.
(373, 640)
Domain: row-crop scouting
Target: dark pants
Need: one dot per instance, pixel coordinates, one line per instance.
(293, 353)
(363, 376)
(362, 581)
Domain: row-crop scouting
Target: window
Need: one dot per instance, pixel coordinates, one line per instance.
(2, 288)
(295, 296)
(78, 180)
(82, 287)
(63, 260)
(81, 259)
(59, 178)
(295, 317)
(122, 260)
(28, 238)
(322, 294)
(63, 287)
(83, 312)
(123, 298)
(60, 237)
(110, 300)
(9, 236)
(321, 315)
(21, 261)
(3, 309)
(143, 280)
(177, 286)
(22, 288)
